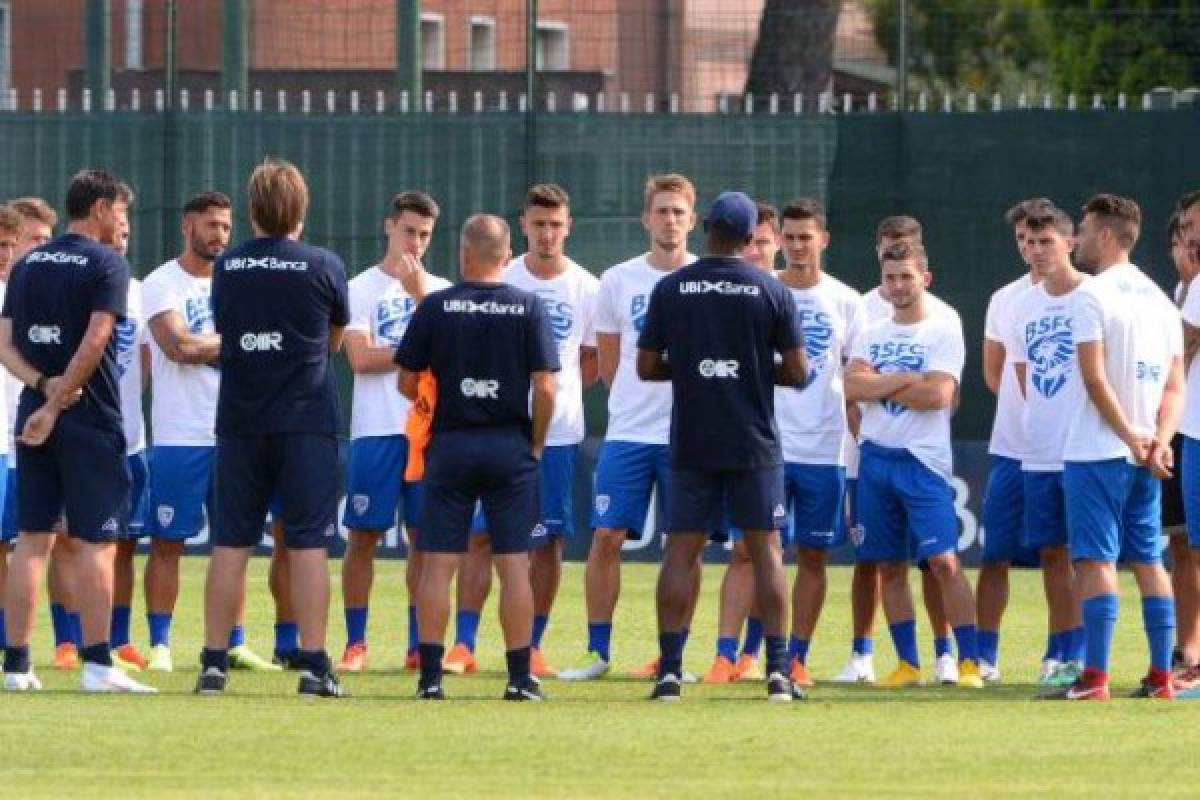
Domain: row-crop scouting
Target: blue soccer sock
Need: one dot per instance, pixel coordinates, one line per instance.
(798, 649)
(540, 621)
(754, 637)
(466, 628)
(941, 646)
(988, 643)
(160, 629)
(904, 637)
(1099, 619)
(237, 636)
(862, 646)
(727, 647)
(119, 636)
(1158, 617)
(61, 622)
(76, 628)
(1053, 647)
(1075, 642)
(600, 639)
(356, 626)
(670, 654)
(414, 638)
(967, 638)
(287, 637)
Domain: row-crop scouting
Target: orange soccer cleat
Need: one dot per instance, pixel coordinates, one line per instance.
(748, 668)
(66, 657)
(647, 671)
(461, 661)
(799, 674)
(128, 654)
(354, 659)
(538, 666)
(722, 671)
(412, 661)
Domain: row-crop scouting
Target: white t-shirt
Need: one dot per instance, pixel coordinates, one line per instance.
(381, 309)
(570, 301)
(1142, 333)
(1002, 312)
(638, 411)
(183, 407)
(877, 308)
(935, 344)
(130, 333)
(1041, 339)
(1190, 424)
(812, 419)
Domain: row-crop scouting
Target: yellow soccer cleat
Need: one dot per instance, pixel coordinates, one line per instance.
(902, 677)
(969, 676)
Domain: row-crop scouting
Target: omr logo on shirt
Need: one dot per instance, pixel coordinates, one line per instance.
(480, 389)
(45, 334)
(719, 368)
(259, 342)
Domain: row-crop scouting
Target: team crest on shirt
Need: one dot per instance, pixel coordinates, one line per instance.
(539, 532)
(197, 314)
(360, 503)
(392, 315)
(1051, 351)
(897, 355)
(637, 311)
(125, 335)
(165, 514)
(562, 316)
(818, 335)
(602, 503)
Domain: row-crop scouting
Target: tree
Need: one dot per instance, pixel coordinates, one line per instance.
(794, 49)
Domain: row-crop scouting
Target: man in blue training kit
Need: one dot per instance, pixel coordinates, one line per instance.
(63, 302)
(487, 344)
(280, 307)
(714, 329)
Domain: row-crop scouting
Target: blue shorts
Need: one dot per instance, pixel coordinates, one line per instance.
(704, 501)
(301, 468)
(495, 468)
(375, 485)
(1190, 484)
(81, 472)
(8, 524)
(1003, 510)
(181, 490)
(1045, 511)
(137, 495)
(626, 475)
(815, 496)
(1113, 510)
(905, 508)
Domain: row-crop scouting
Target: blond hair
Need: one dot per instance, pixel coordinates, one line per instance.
(669, 182)
(278, 197)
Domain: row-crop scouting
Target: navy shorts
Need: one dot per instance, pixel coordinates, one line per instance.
(1174, 505)
(81, 471)
(301, 468)
(8, 523)
(754, 498)
(495, 468)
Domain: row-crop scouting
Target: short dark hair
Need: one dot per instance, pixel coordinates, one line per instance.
(767, 215)
(1050, 216)
(1188, 200)
(905, 251)
(898, 227)
(806, 208)
(1018, 213)
(1174, 227)
(417, 202)
(125, 193)
(546, 195)
(202, 202)
(1121, 215)
(86, 188)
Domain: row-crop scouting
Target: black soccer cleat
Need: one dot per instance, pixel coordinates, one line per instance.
(667, 689)
(313, 685)
(528, 692)
(211, 681)
(780, 689)
(288, 659)
(433, 691)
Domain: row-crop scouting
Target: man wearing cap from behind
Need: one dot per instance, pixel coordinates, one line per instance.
(715, 330)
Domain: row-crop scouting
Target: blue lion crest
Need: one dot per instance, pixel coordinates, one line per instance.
(1053, 358)
(197, 312)
(637, 311)
(392, 316)
(892, 357)
(125, 335)
(817, 338)
(562, 316)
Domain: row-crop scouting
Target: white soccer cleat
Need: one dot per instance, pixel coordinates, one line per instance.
(859, 669)
(21, 682)
(595, 668)
(97, 678)
(160, 659)
(1049, 667)
(946, 669)
(991, 673)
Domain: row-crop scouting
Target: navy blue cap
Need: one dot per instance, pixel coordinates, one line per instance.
(734, 213)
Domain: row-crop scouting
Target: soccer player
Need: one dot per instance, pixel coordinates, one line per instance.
(632, 466)
(1041, 352)
(1129, 346)
(905, 373)
(62, 303)
(184, 348)
(382, 300)
(487, 343)
(722, 323)
(280, 307)
(1003, 496)
(569, 294)
(865, 586)
(10, 232)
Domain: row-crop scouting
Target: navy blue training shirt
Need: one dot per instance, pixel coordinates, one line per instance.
(482, 341)
(274, 301)
(50, 298)
(721, 322)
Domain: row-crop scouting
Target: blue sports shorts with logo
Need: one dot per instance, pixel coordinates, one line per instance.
(181, 490)
(627, 476)
(375, 485)
(906, 510)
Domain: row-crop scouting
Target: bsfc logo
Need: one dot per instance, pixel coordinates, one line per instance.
(259, 342)
(165, 515)
(360, 503)
(602, 503)
(479, 388)
(45, 334)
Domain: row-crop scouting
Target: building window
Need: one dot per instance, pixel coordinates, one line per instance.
(433, 41)
(482, 42)
(553, 53)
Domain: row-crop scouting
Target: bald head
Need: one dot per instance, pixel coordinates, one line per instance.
(484, 247)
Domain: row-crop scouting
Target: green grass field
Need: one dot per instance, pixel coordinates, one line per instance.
(593, 740)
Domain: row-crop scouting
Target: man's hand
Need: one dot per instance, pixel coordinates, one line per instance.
(538, 450)
(54, 390)
(1161, 460)
(39, 426)
(413, 276)
(1142, 447)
